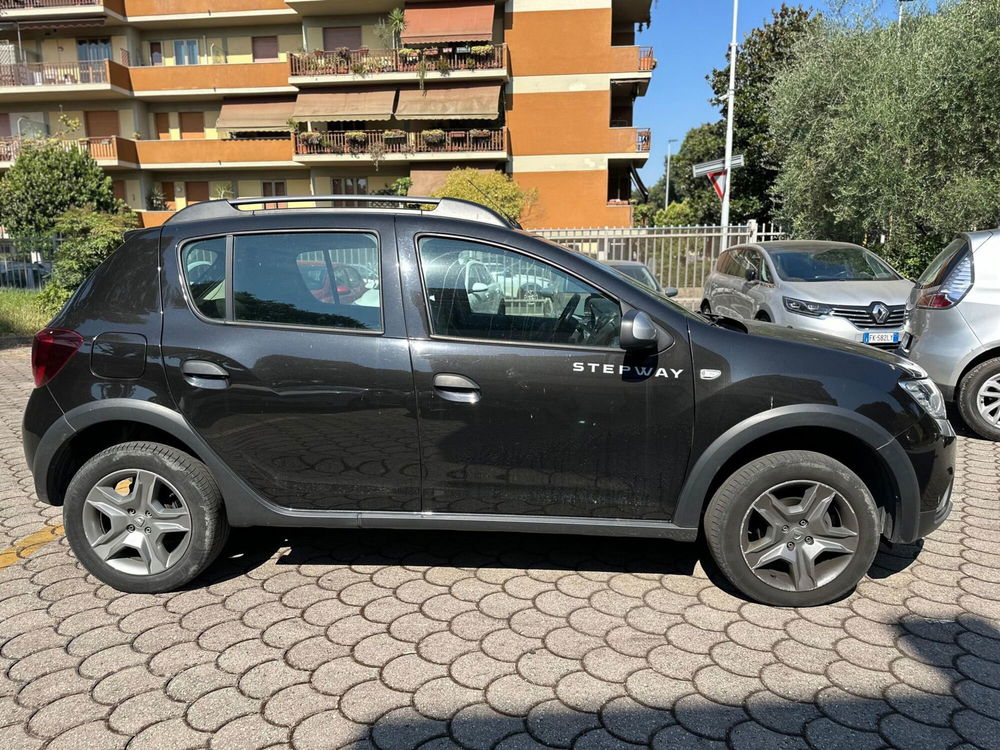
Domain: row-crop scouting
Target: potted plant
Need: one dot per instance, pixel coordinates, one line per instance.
(433, 137)
(394, 134)
(356, 140)
(408, 54)
(481, 50)
(480, 133)
(443, 66)
(311, 138)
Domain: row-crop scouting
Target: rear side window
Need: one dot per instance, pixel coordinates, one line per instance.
(941, 266)
(307, 279)
(725, 262)
(204, 263)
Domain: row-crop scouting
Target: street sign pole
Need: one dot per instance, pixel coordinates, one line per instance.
(729, 130)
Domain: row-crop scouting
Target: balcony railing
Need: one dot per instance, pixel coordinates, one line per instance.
(646, 59)
(362, 62)
(29, 4)
(110, 148)
(54, 74)
(360, 142)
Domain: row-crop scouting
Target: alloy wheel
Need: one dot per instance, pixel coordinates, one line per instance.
(799, 535)
(988, 401)
(137, 522)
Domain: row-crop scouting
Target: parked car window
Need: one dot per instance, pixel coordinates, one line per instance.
(307, 279)
(204, 263)
(755, 260)
(845, 263)
(941, 266)
(724, 264)
(483, 292)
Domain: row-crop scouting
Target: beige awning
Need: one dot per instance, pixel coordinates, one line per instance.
(467, 21)
(471, 102)
(345, 104)
(267, 113)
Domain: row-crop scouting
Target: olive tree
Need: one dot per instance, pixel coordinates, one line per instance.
(493, 189)
(889, 135)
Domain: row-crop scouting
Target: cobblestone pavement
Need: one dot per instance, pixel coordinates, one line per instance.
(392, 640)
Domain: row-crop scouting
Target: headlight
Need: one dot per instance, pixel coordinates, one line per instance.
(800, 306)
(928, 395)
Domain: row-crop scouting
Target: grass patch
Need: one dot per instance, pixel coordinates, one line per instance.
(20, 313)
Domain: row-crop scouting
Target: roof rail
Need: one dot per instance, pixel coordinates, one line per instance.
(453, 208)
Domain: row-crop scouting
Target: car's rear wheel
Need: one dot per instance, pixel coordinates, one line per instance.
(794, 529)
(979, 399)
(144, 517)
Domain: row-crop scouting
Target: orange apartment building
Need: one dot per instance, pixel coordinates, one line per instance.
(187, 100)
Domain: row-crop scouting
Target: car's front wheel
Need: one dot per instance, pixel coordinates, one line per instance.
(979, 399)
(793, 529)
(144, 517)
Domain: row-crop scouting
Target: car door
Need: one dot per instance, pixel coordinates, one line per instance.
(721, 298)
(535, 410)
(746, 289)
(309, 400)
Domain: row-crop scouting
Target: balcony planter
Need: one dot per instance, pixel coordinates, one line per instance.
(356, 141)
(394, 135)
(311, 138)
(482, 50)
(480, 133)
(435, 137)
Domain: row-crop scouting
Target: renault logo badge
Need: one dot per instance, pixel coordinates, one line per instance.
(879, 312)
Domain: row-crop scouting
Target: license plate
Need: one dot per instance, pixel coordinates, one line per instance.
(889, 337)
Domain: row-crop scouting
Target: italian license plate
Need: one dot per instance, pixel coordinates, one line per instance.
(887, 337)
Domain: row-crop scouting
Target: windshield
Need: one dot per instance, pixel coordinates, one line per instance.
(640, 274)
(835, 264)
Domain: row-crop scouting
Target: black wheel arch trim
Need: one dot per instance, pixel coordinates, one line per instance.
(906, 504)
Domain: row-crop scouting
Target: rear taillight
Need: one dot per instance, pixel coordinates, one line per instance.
(341, 289)
(956, 285)
(50, 350)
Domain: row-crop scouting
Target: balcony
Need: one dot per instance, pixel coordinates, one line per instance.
(631, 141)
(104, 79)
(211, 154)
(44, 10)
(405, 64)
(110, 152)
(390, 145)
(239, 11)
(179, 81)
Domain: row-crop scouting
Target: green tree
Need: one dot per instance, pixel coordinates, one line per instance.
(88, 238)
(764, 53)
(493, 189)
(49, 177)
(677, 214)
(892, 134)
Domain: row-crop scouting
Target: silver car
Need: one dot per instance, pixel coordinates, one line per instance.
(953, 327)
(834, 288)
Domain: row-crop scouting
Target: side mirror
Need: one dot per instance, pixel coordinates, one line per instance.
(751, 274)
(638, 331)
(479, 287)
(670, 291)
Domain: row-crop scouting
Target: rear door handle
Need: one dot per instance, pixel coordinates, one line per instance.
(457, 388)
(203, 374)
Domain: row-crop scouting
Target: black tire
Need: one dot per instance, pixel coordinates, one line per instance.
(968, 398)
(730, 509)
(178, 474)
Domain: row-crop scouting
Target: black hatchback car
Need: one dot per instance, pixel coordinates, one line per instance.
(196, 381)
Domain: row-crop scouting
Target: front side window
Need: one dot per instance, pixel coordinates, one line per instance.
(204, 263)
(307, 279)
(483, 292)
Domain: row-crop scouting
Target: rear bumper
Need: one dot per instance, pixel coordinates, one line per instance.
(941, 342)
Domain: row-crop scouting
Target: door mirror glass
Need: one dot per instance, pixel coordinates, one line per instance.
(479, 287)
(751, 274)
(638, 331)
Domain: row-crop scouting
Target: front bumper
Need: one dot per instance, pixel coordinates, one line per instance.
(833, 325)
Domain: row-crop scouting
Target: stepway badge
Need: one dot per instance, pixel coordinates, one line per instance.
(643, 372)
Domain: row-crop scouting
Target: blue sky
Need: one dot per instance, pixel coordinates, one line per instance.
(689, 39)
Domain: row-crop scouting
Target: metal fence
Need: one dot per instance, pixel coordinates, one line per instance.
(26, 264)
(678, 256)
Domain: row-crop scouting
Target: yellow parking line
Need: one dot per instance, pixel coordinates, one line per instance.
(29, 545)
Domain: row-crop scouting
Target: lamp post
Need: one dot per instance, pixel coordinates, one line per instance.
(666, 198)
(899, 20)
(729, 128)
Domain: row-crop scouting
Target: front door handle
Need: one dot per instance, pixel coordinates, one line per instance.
(457, 388)
(203, 374)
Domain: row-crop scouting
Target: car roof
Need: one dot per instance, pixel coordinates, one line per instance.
(623, 263)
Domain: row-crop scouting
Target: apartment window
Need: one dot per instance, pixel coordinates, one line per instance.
(338, 37)
(192, 125)
(196, 192)
(350, 185)
(271, 189)
(162, 122)
(101, 123)
(265, 48)
(156, 53)
(186, 52)
(93, 49)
